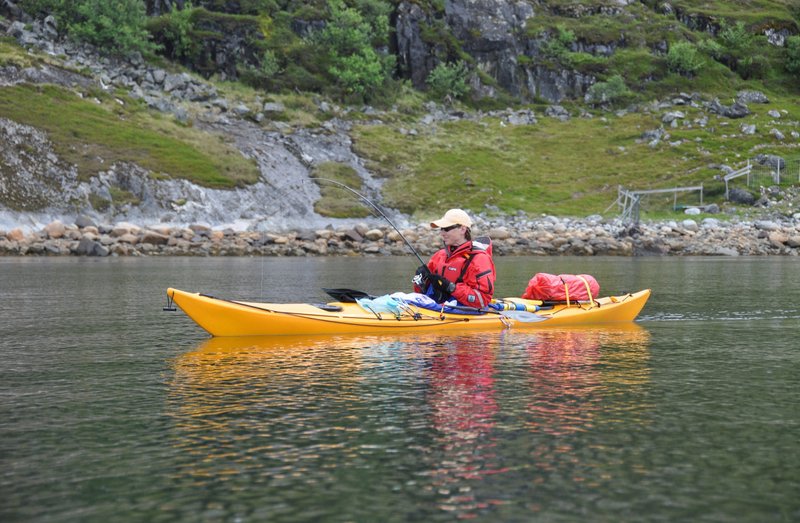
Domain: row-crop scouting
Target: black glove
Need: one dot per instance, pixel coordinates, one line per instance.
(421, 277)
(442, 288)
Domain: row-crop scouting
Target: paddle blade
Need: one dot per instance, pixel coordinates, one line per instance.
(346, 295)
(523, 316)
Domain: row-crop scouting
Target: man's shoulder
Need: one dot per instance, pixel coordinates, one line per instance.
(482, 244)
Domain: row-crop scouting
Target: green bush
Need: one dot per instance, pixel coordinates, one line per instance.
(265, 75)
(270, 65)
(587, 63)
(348, 39)
(711, 47)
(735, 38)
(793, 54)
(174, 32)
(118, 26)
(739, 50)
(62, 10)
(557, 46)
(683, 58)
(611, 92)
(359, 73)
(376, 13)
(448, 81)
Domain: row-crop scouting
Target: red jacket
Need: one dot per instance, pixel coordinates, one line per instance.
(470, 267)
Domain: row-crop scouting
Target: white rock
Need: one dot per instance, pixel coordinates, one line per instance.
(374, 234)
(766, 225)
(55, 229)
(690, 225)
(499, 233)
(748, 128)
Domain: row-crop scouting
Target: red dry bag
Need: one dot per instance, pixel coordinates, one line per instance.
(564, 287)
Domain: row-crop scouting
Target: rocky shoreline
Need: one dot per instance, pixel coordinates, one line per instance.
(518, 235)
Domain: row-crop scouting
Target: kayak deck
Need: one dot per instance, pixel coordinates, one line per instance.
(220, 317)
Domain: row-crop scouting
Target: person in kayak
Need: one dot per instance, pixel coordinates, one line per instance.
(463, 269)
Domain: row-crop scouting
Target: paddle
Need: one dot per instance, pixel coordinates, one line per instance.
(521, 316)
(347, 295)
(351, 295)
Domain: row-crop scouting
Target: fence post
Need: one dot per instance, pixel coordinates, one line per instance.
(748, 173)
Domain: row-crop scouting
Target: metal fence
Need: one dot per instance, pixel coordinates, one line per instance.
(630, 202)
(766, 175)
(752, 175)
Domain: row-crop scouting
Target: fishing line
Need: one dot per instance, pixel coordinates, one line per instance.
(376, 208)
(262, 274)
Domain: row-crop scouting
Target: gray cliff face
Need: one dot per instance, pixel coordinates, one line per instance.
(415, 59)
(556, 85)
(493, 33)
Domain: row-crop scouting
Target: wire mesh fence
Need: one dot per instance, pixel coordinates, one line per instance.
(753, 175)
(786, 172)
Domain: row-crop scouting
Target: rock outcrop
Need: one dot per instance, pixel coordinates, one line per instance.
(493, 33)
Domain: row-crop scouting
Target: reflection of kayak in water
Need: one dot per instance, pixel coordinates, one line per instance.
(585, 378)
(222, 317)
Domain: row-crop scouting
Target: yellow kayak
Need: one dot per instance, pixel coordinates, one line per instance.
(221, 317)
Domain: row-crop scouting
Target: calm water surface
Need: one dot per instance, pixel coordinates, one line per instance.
(112, 410)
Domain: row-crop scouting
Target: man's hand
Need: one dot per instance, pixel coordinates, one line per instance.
(442, 287)
(421, 277)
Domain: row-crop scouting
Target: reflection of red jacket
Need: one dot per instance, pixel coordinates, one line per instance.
(470, 267)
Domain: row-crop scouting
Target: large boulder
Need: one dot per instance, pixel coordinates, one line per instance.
(737, 110)
(772, 161)
(55, 229)
(741, 196)
(751, 97)
(87, 247)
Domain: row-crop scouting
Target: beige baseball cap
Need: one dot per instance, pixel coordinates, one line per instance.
(453, 217)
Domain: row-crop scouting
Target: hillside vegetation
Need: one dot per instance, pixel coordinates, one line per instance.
(638, 57)
(96, 132)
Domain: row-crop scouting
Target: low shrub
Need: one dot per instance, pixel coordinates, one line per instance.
(448, 81)
(683, 58)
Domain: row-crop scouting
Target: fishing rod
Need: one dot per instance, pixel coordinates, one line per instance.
(369, 202)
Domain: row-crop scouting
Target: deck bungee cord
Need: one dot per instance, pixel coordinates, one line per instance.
(326, 317)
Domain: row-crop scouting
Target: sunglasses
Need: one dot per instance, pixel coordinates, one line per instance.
(448, 229)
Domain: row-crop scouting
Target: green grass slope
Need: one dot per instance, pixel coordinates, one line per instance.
(564, 168)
